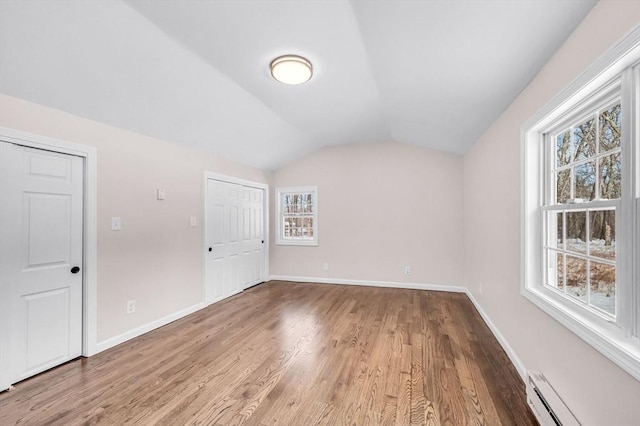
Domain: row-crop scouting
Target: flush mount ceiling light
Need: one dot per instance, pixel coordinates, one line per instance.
(291, 69)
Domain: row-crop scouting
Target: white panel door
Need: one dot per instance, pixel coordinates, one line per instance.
(41, 209)
(253, 254)
(235, 238)
(224, 230)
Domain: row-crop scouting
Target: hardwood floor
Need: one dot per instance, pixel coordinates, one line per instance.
(292, 354)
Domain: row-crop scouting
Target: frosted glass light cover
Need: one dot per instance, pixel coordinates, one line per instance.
(291, 69)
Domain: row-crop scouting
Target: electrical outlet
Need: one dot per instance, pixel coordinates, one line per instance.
(131, 307)
(325, 266)
(161, 194)
(407, 270)
(193, 221)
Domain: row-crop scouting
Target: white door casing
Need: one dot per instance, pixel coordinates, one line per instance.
(41, 208)
(235, 257)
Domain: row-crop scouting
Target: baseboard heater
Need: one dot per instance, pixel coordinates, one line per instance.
(545, 403)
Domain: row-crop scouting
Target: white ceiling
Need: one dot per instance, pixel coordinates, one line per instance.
(431, 73)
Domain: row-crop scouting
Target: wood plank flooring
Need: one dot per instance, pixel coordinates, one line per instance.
(292, 354)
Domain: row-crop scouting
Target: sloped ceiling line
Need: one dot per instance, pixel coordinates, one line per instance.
(430, 73)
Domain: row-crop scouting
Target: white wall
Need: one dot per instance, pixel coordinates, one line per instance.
(382, 206)
(156, 258)
(597, 390)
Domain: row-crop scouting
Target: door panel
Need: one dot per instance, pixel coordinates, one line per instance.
(231, 279)
(246, 224)
(217, 270)
(41, 209)
(46, 244)
(45, 166)
(233, 225)
(47, 321)
(218, 236)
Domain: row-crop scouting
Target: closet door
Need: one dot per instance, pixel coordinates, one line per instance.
(224, 230)
(235, 255)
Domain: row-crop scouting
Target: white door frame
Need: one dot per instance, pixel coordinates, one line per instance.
(265, 226)
(89, 243)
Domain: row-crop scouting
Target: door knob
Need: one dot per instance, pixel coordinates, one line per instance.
(75, 269)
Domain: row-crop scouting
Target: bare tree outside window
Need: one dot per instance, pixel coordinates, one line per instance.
(587, 169)
(297, 211)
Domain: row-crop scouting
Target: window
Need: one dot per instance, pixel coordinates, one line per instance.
(581, 205)
(580, 200)
(297, 213)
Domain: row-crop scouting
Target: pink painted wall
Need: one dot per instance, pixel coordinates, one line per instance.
(156, 258)
(597, 390)
(382, 206)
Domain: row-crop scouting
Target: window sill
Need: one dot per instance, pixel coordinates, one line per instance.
(312, 243)
(604, 336)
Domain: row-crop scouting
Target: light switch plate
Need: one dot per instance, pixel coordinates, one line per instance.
(116, 224)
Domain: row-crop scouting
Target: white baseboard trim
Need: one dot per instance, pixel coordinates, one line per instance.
(391, 284)
(499, 337)
(416, 286)
(128, 335)
(121, 338)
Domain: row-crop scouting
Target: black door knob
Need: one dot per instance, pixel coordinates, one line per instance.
(210, 249)
(75, 269)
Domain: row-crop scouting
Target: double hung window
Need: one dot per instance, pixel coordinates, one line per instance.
(297, 215)
(581, 204)
(581, 208)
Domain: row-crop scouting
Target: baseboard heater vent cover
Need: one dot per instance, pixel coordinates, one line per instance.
(546, 404)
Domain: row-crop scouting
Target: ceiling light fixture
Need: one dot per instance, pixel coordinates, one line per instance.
(291, 69)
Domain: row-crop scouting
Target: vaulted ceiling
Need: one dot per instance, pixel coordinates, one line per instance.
(431, 73)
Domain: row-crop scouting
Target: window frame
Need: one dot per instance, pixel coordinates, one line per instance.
(617, 338)
(280, 239)
(591, 108)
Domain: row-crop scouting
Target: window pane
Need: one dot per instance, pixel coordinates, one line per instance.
(287, 225)
(298, 227)
(287, 201)
(555, 270)
(576, 283)
(585, 139)
(307, 230)
(292, 227)
(576, 231)
(297, 203)
(585, 181)
(564, 149)
(308, 203)
(610, 176)
(602, 227)
(603, 287)
(563, 186)
(555, 235)
(610, 121)
(560, 271)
